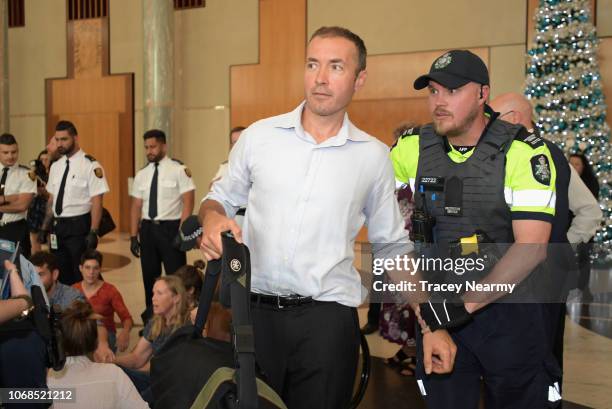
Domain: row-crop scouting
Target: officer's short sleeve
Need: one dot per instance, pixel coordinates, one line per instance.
(185, 181)
(28, 182)
(405, 157)
(529, 186)
(51, 183)
(136, 186)
(97, 180)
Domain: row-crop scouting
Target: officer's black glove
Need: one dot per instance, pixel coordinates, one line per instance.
(135, 246)
(444, 313)
(91, 241)
(42, 236)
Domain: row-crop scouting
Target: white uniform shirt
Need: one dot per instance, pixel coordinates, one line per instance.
(306, 203)
(18, 181)
(85, 180)
(96, 386)
(173, 179)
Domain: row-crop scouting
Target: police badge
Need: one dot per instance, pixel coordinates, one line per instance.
(443, 61)
(540, 168)
(98, 172)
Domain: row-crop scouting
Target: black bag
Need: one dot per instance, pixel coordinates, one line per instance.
(107, 224)
(194, 372)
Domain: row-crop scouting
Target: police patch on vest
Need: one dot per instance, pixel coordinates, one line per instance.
(32, 175)
(540, 168)
(98, 173)
(188, 172)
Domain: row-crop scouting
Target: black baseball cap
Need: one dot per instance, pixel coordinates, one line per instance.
(454, 69)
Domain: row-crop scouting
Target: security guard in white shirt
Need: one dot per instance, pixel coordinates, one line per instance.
(76, 186)
(162, 197)
(17, 189)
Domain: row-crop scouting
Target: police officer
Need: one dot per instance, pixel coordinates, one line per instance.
(17, 189)
(478, 179)
(76, 186)
(162, 197)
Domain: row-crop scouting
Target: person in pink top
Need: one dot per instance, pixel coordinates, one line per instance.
(105, 299)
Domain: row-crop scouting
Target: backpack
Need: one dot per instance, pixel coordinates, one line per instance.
(194, 372)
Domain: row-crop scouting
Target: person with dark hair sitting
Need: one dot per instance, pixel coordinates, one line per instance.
(96, 385)
(61, 296)
(105, 299)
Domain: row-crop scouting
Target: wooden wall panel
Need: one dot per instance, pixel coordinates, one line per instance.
(275, 85)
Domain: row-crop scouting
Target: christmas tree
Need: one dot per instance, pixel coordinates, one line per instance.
(564, 85)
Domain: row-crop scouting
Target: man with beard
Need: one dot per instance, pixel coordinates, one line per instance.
(162, 198)
(307, 199)
(481, 180)
(76, 186)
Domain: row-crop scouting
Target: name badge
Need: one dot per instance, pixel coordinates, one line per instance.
(431, 183)
(53, 241)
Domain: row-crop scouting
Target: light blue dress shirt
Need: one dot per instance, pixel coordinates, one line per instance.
(306, 203)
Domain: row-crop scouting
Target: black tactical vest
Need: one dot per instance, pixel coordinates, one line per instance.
(466, 197)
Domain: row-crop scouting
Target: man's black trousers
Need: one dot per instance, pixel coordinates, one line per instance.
(156, 247)
(309, 353)
(71, 233)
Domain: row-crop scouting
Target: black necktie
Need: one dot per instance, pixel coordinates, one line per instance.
(153, 195)
(59, 203)
(3, 184)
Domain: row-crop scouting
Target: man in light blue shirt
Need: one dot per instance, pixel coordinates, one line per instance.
(310, 180)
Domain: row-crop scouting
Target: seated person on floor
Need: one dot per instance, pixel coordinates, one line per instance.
(170, 312)
(95, 384)
(61, 296)
(105, 299)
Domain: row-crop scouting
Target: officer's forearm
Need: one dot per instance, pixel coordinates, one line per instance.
(518, 262)
(135, 214)
(46, 224)
(209, 206)
(96, 212)
(17, 203)
(188, 199)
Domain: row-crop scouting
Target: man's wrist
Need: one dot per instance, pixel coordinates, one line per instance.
(95, 231)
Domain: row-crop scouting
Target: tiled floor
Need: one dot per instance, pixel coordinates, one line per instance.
(588, 355)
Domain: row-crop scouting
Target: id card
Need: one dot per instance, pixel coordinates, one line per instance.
(53, 241)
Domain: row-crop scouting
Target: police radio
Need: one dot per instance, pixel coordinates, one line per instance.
(422, 222)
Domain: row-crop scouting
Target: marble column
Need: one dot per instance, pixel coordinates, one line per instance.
(158, 66)
(4, 69)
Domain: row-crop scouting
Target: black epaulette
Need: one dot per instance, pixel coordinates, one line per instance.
(407, 132)
(530, 138)
(178, 161)
(91, 158)
(24, 167)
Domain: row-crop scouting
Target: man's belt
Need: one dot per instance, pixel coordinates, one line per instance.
(160, 221)
(57, 219)
(281, 302)
(2, 224)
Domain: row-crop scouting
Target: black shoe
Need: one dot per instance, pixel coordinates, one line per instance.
(369, 328)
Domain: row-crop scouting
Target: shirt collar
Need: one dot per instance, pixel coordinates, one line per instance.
(77, 155)
(348, 131)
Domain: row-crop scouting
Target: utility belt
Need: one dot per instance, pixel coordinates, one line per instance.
(282, 302)
(72, 226)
